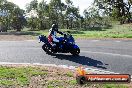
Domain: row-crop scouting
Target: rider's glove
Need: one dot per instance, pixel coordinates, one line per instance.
(64, 35)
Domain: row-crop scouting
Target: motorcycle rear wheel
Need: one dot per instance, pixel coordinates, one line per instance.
(48, 50)
(44, 47)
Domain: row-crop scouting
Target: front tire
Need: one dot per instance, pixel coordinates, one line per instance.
(75, 52)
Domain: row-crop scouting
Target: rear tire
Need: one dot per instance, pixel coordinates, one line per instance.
(48, 50)
(44, 47)
(75, 52)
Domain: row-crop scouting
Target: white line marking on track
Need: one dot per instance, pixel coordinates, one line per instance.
(117, 41)
(5, 63)
(108, 54)
(95, 40)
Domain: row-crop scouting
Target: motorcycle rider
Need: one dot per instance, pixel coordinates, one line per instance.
(52, 38)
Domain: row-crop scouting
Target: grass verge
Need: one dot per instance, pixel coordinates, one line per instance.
(43, 77)
(117, 31)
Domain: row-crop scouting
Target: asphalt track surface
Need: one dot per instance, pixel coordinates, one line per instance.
(110, 55)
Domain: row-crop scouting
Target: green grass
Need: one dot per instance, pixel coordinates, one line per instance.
(37, 73)
(105, 85)
(69, 74)
(72, 82)
(7, 82)
(50, 86)
(113, 86)
(55, 84)
(53, 81)
(116, 31)
(20, 76)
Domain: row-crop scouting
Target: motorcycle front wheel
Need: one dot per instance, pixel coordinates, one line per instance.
(75, 52)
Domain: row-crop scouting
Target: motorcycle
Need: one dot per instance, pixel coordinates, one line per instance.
(66, 45)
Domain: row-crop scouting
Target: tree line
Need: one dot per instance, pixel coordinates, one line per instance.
(11, 16)
(41, 15)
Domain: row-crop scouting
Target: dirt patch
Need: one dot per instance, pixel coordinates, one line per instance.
(15, 37)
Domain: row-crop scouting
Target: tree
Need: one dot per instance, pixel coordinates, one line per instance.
(72, 13)
(55, 9)
(43, 14)
(3, 16)
(118, 9)
(92, 16)
(18, 21)
(86, 16)
(10, 13)
(32, 8)
(53, 12)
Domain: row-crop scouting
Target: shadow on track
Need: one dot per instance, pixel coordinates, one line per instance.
(81, 60)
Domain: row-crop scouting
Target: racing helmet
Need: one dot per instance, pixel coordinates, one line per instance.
(54, 27)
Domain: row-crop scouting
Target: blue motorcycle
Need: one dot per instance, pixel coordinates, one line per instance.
(66, 45)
